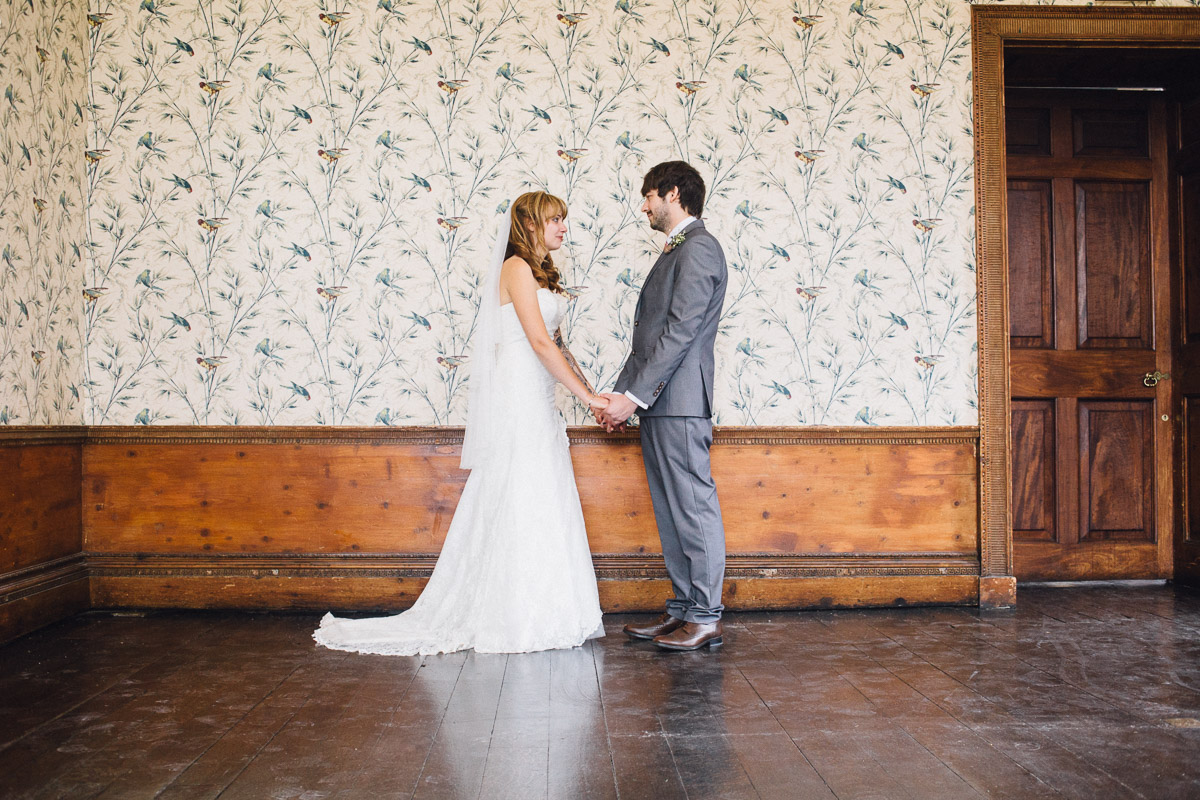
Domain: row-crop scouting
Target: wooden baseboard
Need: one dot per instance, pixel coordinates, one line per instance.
(628, 582)
(37, 596)
(390, 595)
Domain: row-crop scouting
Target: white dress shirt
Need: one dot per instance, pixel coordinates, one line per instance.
(688, 220)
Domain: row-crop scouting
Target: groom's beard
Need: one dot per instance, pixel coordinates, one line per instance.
(659, 221)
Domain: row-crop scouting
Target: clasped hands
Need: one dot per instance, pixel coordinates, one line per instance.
(612, 410)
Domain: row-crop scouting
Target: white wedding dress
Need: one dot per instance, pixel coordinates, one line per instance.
(515, 573)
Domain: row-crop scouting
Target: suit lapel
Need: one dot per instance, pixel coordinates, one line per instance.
(662, 259)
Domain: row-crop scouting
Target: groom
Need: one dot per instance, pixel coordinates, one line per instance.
(668, 381)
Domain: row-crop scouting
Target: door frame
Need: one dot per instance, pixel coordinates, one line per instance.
(992, 27)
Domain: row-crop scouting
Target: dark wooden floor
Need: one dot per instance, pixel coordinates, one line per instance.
(1083, 692)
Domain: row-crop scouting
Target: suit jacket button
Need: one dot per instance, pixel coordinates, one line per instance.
(635, 323)
(633, 352)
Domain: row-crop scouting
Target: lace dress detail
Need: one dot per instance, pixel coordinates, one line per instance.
(515, 573)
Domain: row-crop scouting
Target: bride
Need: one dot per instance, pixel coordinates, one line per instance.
(515, 573)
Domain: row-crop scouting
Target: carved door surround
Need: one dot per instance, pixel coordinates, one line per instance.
(994, 28)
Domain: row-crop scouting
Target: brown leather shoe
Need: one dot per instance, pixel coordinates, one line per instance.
(663, 625)
(691, 636)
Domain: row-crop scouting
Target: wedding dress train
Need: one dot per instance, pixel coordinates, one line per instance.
(515, 573)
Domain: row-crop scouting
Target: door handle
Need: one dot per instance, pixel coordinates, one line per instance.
(1152, 378)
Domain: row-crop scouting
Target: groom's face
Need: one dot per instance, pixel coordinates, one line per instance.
(658, 209)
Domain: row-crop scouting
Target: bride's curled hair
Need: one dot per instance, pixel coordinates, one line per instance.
(530, 213)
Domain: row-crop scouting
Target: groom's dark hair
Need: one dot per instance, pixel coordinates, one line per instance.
(680, 175)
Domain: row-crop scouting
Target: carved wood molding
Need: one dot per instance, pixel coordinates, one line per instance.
(27, 581)
(33, 435)
(992, 27)
(623, 566)
(995, 532)
(315, 434)
(815, 435)
(1124, 25)
(452, 436)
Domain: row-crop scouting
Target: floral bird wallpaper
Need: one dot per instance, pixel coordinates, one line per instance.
(42, 222)
(267, 213)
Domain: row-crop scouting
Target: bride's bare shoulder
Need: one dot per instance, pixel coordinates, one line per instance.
(515, 265)
(516, 278)
(516, 272)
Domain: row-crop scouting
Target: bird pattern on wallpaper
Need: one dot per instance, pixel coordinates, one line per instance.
(343, 168)
(288, 205)
(42, 122)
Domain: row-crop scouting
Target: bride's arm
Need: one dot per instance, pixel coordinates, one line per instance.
(517, 281)
(571, 362)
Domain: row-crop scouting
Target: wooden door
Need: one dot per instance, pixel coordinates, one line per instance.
(1187, 369)
(1089, 300)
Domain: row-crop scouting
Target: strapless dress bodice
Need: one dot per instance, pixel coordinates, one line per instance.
(552, 305)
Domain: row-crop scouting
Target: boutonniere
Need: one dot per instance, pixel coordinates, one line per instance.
(674, 242)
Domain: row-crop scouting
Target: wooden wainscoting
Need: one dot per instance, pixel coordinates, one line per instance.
(43, 577)
(353, 519)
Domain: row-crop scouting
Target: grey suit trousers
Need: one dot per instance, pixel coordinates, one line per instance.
(676, 454)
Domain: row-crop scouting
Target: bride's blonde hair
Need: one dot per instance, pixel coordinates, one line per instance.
(530, 213)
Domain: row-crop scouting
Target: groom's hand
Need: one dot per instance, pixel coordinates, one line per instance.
(619, 409)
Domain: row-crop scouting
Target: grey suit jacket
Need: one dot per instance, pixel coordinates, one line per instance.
(675, 325)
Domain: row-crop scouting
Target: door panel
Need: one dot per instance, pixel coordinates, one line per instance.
(1116, 484)
(1190, 202)
(1191, 455)
(1121, 133)
(1088, 289)
(1027, 131)
(1112, 250)
(1187, 369)
(1033, 470)
(1031, 310)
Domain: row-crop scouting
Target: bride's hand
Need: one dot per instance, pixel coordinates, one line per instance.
(597, 403)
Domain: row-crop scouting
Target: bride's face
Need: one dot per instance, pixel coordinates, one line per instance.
(556, 228)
